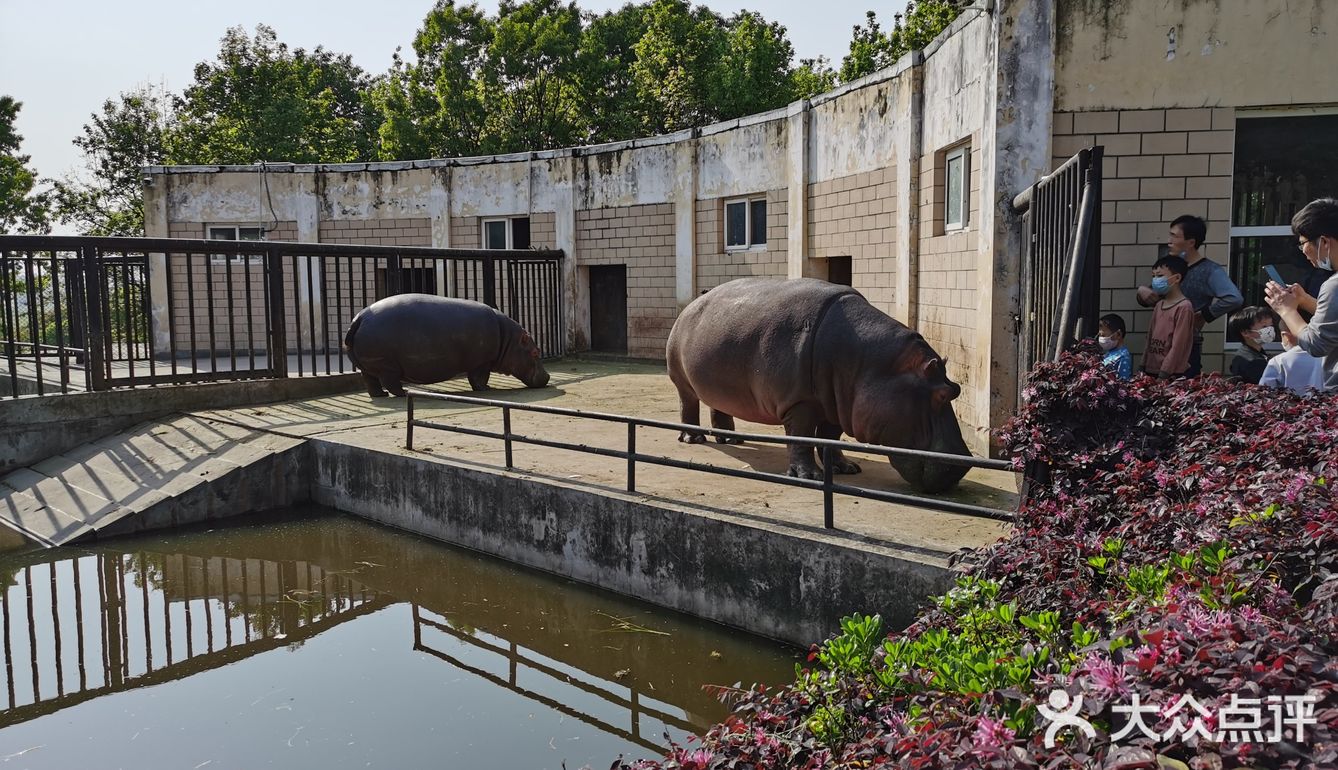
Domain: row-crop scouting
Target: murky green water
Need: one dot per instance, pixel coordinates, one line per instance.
(326, 642)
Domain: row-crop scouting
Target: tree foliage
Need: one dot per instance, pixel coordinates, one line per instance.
(539, 74)
(872, 49)
(129, 133)
(22, 206)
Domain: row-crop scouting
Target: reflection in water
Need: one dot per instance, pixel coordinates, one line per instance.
(362, 620)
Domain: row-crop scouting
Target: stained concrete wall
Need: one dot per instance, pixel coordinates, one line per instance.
(1134, 55)
(775, 581)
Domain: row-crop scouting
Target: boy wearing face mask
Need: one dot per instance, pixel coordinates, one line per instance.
(1171, 336)
(1316, 229)
(1293, 369)
(1254, 325)
(1117, 356)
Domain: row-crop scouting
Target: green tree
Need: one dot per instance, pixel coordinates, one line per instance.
(871, 49)
(128, 134)
(673, 66)
(605, 85)
(259, 100)
(753, 72)
(812, 77)
(22, 207)
(530, 79)
(434, 107)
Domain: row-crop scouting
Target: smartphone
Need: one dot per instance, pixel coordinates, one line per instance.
(1274, 275)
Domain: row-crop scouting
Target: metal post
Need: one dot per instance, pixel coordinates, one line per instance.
(828, 517)
(489, 283)
(95, 334)
(408, 426)
(278, 334)
(631, 457)
(506, 435)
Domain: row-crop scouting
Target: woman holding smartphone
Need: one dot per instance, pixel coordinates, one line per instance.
(1316, 229)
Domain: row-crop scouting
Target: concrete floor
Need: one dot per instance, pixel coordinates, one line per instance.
(642, 390)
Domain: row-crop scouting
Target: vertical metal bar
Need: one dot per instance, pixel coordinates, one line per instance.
(212, 316)
(274, 301)
(341, 311)
(128, 323)
(10, 299)
(227, 616)
(631, 456)
(60, 330)
(232, 314)
(246, 601)
(297, 314)
(145, 314)
(78, 625)
(185, 605)
(506, 434)
(190, 316)
(489, 283)
(171, 312)
(9, 650)
(34, 333)
(122, 613)
(250, 316)
(408, 422)
(325, 314)
(828, 515)
(32, 633)
(167, 614)
(55, 627)
(208, 609)
(148, 629)
(311, 313)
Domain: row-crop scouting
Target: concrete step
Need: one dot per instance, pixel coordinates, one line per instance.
(179, 470)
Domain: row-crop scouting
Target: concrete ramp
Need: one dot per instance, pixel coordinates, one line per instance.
(170, 472)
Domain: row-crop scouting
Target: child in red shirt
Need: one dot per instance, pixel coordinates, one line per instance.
(1172, 333)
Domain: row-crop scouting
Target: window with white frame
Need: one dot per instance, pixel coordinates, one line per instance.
(745, 223)
(957, 188)
(506, 233)
(236, 233)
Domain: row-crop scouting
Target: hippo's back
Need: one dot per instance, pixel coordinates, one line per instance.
(424, 336)
(746, 347)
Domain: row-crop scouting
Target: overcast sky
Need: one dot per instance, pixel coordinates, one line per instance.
(63, 58)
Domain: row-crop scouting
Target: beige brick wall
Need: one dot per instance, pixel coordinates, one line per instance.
(855, 216)
(716, 266)
(641, 237)
(946, 299)
(200, 291)
(1158, 165)
(415, 231)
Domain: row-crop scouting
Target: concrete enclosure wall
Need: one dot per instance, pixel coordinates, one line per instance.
(839, 177)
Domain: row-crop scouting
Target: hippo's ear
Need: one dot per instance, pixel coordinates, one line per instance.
(931, 369)
(525, 339)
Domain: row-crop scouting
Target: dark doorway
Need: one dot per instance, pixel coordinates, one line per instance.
(413, 280)
(608, 308)
(838, 270)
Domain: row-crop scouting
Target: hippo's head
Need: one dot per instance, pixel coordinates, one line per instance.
(914, 410)
(523, 361)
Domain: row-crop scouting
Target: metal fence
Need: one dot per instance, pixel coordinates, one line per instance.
(95, 624)
(1061, 265)
(97, 313)
(825, 447)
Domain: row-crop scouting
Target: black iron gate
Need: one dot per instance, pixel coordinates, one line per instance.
(1061, 264)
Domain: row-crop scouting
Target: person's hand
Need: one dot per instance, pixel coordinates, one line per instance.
(1283, 298)
(1147, 297)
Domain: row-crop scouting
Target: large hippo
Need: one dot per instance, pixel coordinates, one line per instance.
(422, 338)
(820, 360)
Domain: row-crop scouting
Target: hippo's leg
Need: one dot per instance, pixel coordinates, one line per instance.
(392, 383)
(802, 421)
(839, 462)
(478, 379)
(723, 421)
(374, 388)
(690, 413)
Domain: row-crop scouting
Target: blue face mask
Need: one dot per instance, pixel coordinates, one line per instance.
(1161, 284)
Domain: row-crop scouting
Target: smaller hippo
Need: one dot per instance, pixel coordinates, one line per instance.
(422, 338)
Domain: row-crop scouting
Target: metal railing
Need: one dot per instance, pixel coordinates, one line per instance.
(1061, 266)
(94, 624)
(827, 485)
(80, 313)
(518, 661)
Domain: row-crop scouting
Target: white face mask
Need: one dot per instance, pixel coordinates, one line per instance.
(1266, 334)
(1106, 343)
(1327, 262)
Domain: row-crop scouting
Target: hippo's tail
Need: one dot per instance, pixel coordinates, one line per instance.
(348, 340)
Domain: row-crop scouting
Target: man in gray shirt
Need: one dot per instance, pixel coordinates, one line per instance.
(1207, 284)
(1316, 229)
